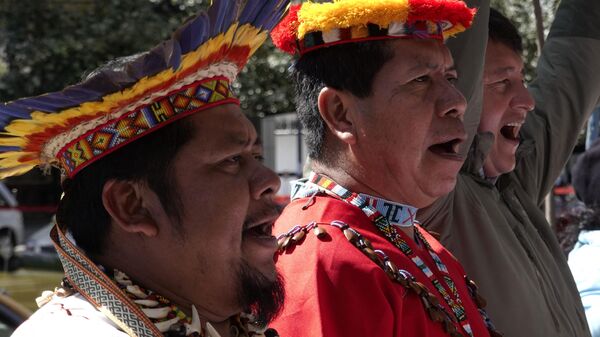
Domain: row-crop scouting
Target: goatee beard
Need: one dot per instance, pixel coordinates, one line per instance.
(258, 295)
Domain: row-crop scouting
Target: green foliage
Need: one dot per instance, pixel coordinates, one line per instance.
(49, 44)
(264, 86)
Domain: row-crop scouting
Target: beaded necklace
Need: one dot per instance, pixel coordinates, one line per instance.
(136, 311)
(173, 322)
(447, 289)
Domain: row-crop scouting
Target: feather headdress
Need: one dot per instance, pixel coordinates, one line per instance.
(311, 25)
(188, 73)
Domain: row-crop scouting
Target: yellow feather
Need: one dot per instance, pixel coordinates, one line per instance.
(12, 141)
(11, 163)
(18, 132)
(248, 35)
(324, 17)
(457, 28)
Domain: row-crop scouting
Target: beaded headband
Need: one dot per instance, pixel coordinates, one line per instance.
(310, 26)
(188, 73)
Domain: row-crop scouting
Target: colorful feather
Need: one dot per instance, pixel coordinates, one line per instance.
(453, 16)
(217, 42)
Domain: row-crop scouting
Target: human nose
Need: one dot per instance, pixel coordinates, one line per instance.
(264, 182)
(451, 103)
(523, 99)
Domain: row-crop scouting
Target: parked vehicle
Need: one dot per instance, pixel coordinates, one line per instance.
(12, 314)
(12, 230)
(38, 251)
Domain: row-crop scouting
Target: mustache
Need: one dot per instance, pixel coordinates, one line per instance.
(266, 211)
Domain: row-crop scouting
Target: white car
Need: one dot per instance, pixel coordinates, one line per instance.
(12, 230)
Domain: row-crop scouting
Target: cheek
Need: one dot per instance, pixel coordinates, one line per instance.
(490, 117)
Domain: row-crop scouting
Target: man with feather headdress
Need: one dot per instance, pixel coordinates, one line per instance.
(164, 228)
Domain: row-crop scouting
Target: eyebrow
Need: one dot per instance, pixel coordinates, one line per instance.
(506, 70)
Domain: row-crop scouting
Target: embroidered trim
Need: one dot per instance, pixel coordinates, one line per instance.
(116, 133)
(50, 150)
(397, 214)
(97, 288)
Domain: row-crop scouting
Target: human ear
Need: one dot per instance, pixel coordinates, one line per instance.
(124, 202)
(336, 110)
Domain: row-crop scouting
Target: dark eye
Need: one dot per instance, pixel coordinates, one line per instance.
(259, 157)
(421, 79)
(452, 79)
(233, 160)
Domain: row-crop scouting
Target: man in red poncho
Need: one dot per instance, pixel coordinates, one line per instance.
(384, 126)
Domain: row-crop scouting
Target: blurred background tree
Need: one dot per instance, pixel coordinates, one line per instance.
(48, 44)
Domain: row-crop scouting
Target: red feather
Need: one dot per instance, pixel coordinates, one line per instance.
(285, 34)
(455, 11)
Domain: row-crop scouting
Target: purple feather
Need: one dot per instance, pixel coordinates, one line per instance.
(193, 34)
(12, 112)
(80, 94)
(9, 148)
(220, 15)
(263, 14)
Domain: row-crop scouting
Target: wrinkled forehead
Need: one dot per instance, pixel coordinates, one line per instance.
(430, 54)
(225, 126)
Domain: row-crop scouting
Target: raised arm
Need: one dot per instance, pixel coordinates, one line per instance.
(566, 90)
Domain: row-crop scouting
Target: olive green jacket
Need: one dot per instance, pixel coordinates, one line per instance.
(496, 227)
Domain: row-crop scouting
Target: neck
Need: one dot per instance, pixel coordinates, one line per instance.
(144, 274)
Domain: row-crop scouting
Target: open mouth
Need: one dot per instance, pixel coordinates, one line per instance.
(449, 149)
(260, 231)
(511, 130)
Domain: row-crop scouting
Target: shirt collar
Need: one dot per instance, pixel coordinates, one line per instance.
(397, 214)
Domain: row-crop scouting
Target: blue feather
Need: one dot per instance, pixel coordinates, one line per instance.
(10, 110)
(175, 58)
(193, 34)
(80, 94)
(220, 15)
(9, 148)
(271, 14)
(55, 101)
(250, 11)
(263, 14)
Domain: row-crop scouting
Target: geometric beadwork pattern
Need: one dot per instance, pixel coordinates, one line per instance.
(94, 285)
(116, 133)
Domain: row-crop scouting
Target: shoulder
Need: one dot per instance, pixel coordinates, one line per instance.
(66, 317)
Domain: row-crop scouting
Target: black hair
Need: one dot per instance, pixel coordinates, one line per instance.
(148, 160)
(502, 30)
(348, 67)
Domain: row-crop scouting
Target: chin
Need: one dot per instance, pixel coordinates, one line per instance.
(440, 189)
(269, 272)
